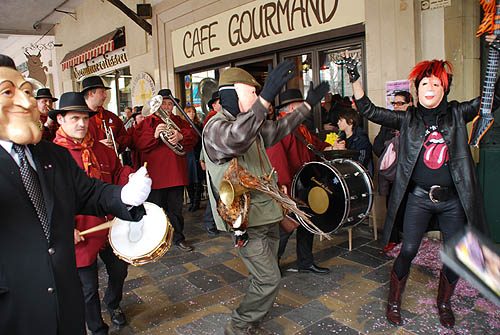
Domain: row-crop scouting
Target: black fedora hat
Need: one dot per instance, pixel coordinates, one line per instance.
(166, 93)
(71, 102)
(45, 93)
(215, 96)
(289, 96)
(93, 82)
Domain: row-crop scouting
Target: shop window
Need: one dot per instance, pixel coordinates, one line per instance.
(198, 89)
(303, 73)
(119, 95)
(333, 71)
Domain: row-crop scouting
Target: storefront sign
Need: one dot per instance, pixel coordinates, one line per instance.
(259, 23)
(434, 4)
(110, 61)
(143, 88)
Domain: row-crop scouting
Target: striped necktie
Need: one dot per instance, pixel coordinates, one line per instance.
(32, 186)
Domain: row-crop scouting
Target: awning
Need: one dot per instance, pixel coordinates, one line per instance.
(91, 50)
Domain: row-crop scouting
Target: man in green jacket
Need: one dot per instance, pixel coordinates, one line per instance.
(241, 130)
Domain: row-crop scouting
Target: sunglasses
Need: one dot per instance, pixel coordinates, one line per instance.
(398, 103)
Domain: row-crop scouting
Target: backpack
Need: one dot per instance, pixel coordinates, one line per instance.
(387, 165)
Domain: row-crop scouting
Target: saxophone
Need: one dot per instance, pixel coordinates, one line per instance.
(155, 105)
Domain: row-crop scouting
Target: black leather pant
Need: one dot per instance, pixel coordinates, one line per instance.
(418, 213)
(304, 246)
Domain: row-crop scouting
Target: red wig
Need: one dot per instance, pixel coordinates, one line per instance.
(438, 68)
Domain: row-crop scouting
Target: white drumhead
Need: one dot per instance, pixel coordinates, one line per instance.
(153, 234)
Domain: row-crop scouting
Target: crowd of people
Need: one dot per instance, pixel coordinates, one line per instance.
(73, 180)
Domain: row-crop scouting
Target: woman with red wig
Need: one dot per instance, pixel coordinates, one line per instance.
(435, 170)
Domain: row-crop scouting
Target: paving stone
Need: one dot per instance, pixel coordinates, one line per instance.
(308, 313)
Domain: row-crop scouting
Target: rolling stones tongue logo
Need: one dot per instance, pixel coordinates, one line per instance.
(436, 151)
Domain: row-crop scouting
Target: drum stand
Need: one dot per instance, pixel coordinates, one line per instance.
(349, 231)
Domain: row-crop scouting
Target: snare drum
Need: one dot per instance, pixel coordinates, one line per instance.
(155, 240)
(339, 193)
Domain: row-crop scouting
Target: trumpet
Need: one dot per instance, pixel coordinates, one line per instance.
(110, 136)
(155, 105)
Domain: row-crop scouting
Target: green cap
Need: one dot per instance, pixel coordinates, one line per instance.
(235, 75)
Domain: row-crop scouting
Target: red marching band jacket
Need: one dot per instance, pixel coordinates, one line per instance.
(113, 122)
(165, 167)
(111, 172)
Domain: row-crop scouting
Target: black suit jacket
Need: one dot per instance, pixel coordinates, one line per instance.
(40, 290)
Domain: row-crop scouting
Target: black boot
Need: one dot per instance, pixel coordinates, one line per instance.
(196, 197)
(396, 288)
(445, 291)
(190, 190)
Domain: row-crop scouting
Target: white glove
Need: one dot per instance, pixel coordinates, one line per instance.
(136, 191)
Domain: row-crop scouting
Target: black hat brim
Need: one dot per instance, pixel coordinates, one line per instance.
(54, 112)
(289, 101)
(95, 86)
(48, 97)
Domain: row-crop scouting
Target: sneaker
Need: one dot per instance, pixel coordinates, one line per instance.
(117, 316)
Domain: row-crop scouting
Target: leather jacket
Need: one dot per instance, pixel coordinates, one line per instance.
(453, 127)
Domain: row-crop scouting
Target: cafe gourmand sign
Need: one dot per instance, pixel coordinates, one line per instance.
(110, 61)
(260, 23)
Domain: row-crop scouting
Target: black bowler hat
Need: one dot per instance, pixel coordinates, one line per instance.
(289, 96)
(71, 102)
(93, 82)
(215, 97)
(166, 93)
(45, 93)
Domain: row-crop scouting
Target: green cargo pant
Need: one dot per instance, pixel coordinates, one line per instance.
(260, 256)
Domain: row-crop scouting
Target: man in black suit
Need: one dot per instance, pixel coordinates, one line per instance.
(42, 190)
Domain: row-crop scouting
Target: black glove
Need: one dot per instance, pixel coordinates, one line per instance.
(351, 65)
(316, 94)
(276, 79)
(241, 238)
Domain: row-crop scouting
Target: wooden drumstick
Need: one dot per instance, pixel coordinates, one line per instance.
(102, 226)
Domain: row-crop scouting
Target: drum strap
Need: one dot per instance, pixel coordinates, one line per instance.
(311, 147)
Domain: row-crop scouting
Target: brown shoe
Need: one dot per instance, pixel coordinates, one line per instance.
(184, 247)
(396, 288)
(445, 291)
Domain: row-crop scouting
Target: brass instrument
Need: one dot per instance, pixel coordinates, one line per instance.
(155, 106)
(110, 136)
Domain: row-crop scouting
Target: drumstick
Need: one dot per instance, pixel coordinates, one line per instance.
(102, 226)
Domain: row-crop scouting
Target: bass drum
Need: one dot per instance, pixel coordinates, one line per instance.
(153, 241)
(338, 193)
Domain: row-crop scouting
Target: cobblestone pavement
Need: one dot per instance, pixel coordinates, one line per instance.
(194, 293)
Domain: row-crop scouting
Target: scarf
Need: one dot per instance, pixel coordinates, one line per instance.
(90, 164)
(99, 118)
(302, 130)
(229, 100)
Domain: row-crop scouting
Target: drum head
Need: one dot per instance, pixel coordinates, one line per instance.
(155, 229)
(321, 187)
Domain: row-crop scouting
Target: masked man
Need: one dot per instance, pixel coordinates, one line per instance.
(241, 130)
(44, 103)
(437, 173)
(42, 191)
(98, 161)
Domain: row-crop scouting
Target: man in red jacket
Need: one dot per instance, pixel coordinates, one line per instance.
(99, 162)
(167, 169)
(94, 91)
(287, 157)
(44, 102)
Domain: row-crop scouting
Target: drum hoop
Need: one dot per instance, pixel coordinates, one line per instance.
(368, 180)
(344, 188)
(162, 242)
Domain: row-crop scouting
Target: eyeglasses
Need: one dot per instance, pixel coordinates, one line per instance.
(399, 103)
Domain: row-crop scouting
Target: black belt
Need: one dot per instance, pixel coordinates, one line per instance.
(435, 193)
